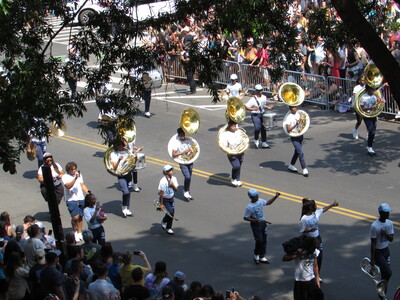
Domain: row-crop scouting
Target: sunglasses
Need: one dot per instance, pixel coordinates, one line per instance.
(49, 160)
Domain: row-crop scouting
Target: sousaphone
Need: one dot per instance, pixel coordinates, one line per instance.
(291, 94)
(374, 273)
(126, 130)
(372, 76)
(299, 129)
(58, 130)
(230, 148)
(235, 110)
(123, 169)
(190, 121)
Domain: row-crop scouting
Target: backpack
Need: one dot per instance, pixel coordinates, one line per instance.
(293, 244)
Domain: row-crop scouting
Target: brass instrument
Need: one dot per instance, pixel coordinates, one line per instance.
(187, 158)
(223, 142)
(291, 94)
(372, 75)
(190, 121)
(374, 273)
(127, 165)
(372, 112)
(126, 130)
(158, 208)
(299, 129)
(58, 130)
(235, 110)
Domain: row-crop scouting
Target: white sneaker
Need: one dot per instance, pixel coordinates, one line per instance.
(187, 195)
(147, 114)
(124, 212)
(292, 168)
(264, 260)
(256, 143)
(371, 151)
(169, 231)
(80, 236)
(128, 212)
(129, 185)
(256, 259)
(136, 188)
(238, 183)
(76, 235)
(265, 145)
(234, 182)
(305, 172)
(164, 225)
(355, 134)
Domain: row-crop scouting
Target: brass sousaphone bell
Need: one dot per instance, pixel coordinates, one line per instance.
(58, 130)
(291, 94)
(235, 110)
(373, 79)
(190, 124)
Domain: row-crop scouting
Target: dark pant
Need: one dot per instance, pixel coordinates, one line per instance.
(134, 176)
(259, 127)
(187, 174)
(321, 252)
(260, 236)
(59, 189)
(190, 79)
(147, 100)
(382, 259)
(370, 123)
(99, 236)
(40, 150)
(236, 162)
(298, 151)
(307, 290)
(73, 85)
(170, 206)
(126, 193)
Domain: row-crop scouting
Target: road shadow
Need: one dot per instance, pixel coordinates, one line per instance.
(220, 179)
(93, 124)
(30, 174)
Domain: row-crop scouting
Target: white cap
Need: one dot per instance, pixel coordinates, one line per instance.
(234, 77)
(258, 87)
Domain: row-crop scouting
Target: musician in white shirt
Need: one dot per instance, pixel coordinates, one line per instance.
(367, 102)
(166, 189)
(231, 138)
(257, 105)
(233, 88)
(292, 122)
(184, 146)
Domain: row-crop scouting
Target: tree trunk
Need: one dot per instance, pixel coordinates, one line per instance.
(371, 42)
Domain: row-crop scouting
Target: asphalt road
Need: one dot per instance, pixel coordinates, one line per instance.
(212, 243)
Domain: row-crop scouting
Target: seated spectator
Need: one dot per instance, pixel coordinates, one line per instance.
(91, 251)
(17, 273)
(32, 244)
(157, 280)
(136, 290)
(127, 267)
(177, 284)
(101, 289)
(51, 277)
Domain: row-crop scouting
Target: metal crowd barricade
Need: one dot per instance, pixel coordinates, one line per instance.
(230, 67)
(339, 92)
(390, 104)
(174, 67)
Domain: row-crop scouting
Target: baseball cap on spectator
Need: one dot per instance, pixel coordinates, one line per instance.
(47, 155)
(40, 256)
(52, 255)
(167, 293)
(258, 87)
(167, 168)
(19, 230)
(384, 207)
(179, 275)
(252, 193)
(234, 77)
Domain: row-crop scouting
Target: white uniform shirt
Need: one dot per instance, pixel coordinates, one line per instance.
(75, 193)
(376, 228)
(115, 157)
(368, 101)
(166, 188)
(292, 119)
(181, 146)
(234, 89)
(311, 221)
(304, 270)
(255, 210)
(53, 173)
(231, 139)
(252, 103)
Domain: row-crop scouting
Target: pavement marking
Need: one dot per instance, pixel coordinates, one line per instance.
(246, 185)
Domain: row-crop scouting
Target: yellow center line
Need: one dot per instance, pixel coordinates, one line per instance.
(294, 198)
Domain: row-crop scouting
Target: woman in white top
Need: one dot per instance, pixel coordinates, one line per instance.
(56, 172)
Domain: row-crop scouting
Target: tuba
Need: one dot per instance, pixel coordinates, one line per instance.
(291, 94)
(235, 110)
(301, 128)
(374, 273)
(126, 130)
(372, 76)
(58, 130)
(232, 149)
(190, 121)
(125, 166)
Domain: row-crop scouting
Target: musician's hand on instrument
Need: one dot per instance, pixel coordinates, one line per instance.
(121, 157)
(298, 122)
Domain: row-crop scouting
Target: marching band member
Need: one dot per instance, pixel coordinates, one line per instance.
(232, 138)
(166, 189)
(133, 148)
(257, 105)
(233, 88)
(118, 158)
(291, 122)
(366, 103)
(183, 146)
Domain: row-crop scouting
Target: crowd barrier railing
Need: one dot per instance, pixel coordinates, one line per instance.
(329, 92)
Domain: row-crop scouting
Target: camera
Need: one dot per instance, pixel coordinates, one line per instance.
(136, 252)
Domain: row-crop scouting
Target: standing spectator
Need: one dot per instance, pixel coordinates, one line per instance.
(33, 244)
(146, 93)
(73, 283)
(381, 234)
(177, 284)
(75, 197)
(309, 223)
(255, 215)
(101, 289)
(193, 291)
(127, 267)
(234, 87)
(19, 231)
(10, 228)
(56, 172)
(319, 55)
(188, 67)
(17, 273)
(94, 217)
(34, 275)
(306, 278)
(257, 105)
(166, 189)
(113, 271)
(77, 253)
(91, 251)
(136, 290)
(354, 63)
(157, 280)
(28, 221)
